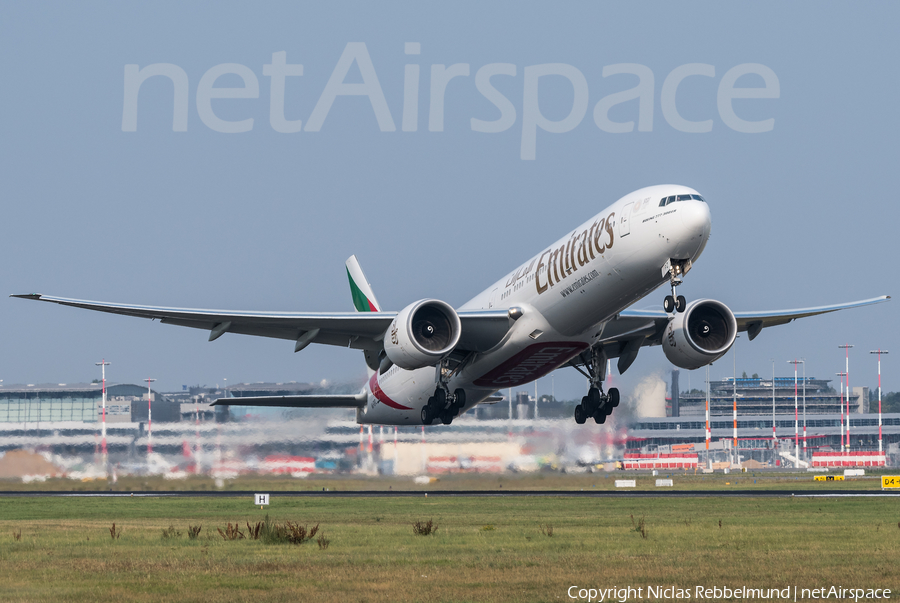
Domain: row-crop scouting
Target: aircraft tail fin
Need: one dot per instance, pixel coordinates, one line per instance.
(363, 296)
(364, 301)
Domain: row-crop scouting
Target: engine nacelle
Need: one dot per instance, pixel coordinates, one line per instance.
(422, 334)
(699, 335)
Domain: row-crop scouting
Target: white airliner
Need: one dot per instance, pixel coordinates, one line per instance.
(566, 306)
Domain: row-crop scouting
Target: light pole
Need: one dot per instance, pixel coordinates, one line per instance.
(805, 451)
(846, 348)
(708, 463)
(879, 351)
(149, 416)
(796, 416)
(842, 375)
(734, 398)
(774, 436)
(103, 364)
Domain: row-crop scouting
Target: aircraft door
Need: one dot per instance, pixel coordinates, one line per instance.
(493, 298)
(625, 220)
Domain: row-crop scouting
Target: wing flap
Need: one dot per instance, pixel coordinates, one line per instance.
(482, 329)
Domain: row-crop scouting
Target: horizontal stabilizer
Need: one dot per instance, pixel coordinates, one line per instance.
(330, 401)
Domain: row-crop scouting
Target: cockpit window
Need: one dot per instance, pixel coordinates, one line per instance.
(674, 198)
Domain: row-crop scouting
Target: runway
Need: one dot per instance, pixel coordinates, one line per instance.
(453, 494)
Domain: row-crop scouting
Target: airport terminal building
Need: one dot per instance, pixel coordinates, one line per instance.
(760, 396)
(80, 402)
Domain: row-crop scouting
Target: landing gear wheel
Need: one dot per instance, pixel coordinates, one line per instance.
(427, 418)
(594, 397)
(613, 397)
(440, 398)
(680, 303)
(580, 416)
(600, 417)
(586, 406)
(447, 417)
(669, 304)
(459, 398)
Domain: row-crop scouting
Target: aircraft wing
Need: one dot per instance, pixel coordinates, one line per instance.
(481, 330)
(623, 336)
(328, 401)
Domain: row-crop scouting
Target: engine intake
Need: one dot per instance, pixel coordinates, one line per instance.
(701, 334)
(422, 334)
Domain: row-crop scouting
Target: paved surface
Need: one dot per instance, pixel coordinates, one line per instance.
(457, 493)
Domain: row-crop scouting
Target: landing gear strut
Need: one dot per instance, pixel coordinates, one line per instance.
(595, 404)
(675, 270)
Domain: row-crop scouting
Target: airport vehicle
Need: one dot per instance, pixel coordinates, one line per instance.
(566, 306)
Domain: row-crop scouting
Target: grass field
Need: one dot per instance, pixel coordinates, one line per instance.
(485, 549)
(683, 480)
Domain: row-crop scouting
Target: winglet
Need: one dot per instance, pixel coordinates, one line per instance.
(363, 297)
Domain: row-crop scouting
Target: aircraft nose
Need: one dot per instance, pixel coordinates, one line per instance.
(696, 218)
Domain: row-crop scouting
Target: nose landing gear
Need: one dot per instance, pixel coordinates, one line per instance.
(674, 303)
(675, 270)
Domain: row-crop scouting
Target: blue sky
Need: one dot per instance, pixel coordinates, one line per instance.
(803, 214)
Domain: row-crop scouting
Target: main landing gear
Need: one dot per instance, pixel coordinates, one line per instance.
(596, 404)
(675, 270)
(443, 406)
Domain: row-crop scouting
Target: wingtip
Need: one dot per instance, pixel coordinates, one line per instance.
(27, 295)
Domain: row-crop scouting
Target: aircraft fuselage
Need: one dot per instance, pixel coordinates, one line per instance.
(568, 294)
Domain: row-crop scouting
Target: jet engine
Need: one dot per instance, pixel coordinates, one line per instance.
(422, 334)
(699, 335)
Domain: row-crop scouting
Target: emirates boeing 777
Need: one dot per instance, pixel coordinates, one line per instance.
(566, 306)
